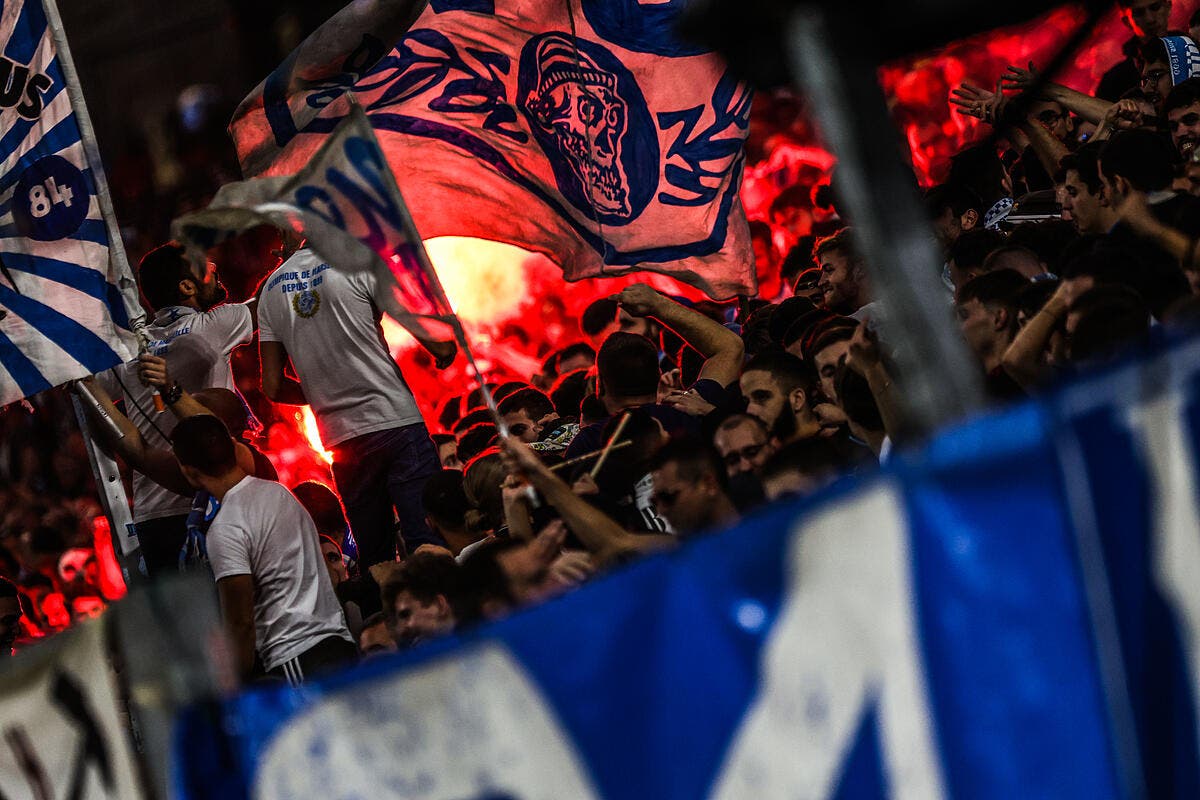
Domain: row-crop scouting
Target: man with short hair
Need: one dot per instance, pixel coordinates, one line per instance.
(628, 370)
(802, 468)
(1084, 200)
(778, 388)
(955, 210)
(827, 352)
(1016, 258)
(844, 285)
(1147, 19)
(527, 413)
(744, 444)
(447, 450)
(691, 487)
(195, 331)
(987, 313)
(970, 252)
(275, 593)
(327, 322)
(1182, 109)
(446, 506)
(375, 637)
(418, 598)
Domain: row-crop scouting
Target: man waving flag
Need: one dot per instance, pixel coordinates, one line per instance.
(586, 130)
(62, 315)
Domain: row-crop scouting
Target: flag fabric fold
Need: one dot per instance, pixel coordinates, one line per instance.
(345, 202)
(584, 130)
(62, 314)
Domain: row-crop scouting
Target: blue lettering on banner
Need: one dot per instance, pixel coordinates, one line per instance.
(22, 90)
(364, 193)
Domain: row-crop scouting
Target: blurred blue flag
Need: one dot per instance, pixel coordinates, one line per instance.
(1012, 611)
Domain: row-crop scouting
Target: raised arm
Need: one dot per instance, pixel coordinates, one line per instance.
(159, 465)
(1023, 358)
(1083, 105)
(722, 348)
(607, 540)
(153, 371)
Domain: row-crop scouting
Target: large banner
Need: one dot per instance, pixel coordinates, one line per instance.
(61, 313)
(586, 130)
(62, 733)
(1014, 611)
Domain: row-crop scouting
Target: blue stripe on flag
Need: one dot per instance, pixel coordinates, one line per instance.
(79, 278)
(92, 230)
(23, 371)
(27, 34)
(80, 343)
(61, 136)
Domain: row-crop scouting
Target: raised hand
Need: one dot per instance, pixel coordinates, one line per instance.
(971, 100)
(639, 299)
(1018, 79)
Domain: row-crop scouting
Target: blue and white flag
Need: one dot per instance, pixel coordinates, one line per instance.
(588, 130)
(62, 315)
(345, 202)
(1013, 611)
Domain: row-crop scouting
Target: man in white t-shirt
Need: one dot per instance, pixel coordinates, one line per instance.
(327, 322)
(275, 592)
(195, 331)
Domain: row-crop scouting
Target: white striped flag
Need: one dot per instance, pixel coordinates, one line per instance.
(62, 313)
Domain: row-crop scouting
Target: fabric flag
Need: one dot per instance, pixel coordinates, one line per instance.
(346, 203)
(583, 129)
(63, 735)
(1012, 611)
(62, 315)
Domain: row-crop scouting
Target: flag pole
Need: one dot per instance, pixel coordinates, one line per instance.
(118, 259)
(104, 470)
(431, 276)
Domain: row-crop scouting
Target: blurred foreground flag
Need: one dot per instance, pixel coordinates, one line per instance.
(62, 722)
(61, 313)
(1010, 611)
(346, 203)
(585, 130)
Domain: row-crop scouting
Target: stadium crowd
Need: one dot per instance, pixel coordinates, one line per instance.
(1069, 236)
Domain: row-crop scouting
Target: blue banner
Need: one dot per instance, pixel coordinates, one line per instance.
(1012, 611)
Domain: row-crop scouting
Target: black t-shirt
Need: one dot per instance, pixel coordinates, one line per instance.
(674, 421)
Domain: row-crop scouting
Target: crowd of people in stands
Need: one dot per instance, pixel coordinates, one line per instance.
(1069, 237)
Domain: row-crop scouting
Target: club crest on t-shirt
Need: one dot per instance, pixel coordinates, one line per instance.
(306, 303)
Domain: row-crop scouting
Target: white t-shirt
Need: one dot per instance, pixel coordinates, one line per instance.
(329, 325)
(196, 345)
(261, 530)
